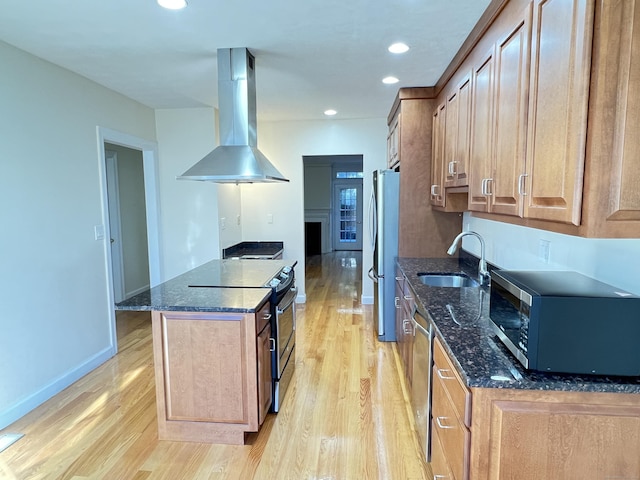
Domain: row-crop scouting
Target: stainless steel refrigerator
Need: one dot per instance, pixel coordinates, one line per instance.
(383, 232)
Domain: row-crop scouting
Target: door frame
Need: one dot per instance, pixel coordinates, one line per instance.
(152, 199)
(115, 228)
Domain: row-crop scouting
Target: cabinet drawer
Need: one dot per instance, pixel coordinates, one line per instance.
(453, 435)
(459, 394)
(439, 465)
(263, 317)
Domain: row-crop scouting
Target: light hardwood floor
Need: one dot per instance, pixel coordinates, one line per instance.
(345, 417)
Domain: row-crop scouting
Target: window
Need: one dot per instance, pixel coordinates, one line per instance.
(349, 175)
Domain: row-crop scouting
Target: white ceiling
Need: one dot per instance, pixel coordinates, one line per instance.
(310, 54)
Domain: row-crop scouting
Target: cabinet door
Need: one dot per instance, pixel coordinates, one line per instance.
(265, 392)
(205, 369)
(481, 134)
(511, 96)
(624, 195)
(458, 113)
(393, 143)
(558, 101)
(450, 138)
(438, 156)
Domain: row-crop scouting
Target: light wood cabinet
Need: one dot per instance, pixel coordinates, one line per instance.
(558, 106)
(451, 412)
(264, 345)
(500, 122)
(438, 156)
(491, 433)
(554, 116)
(211, 374)
(424, 231)
(482, 133)
(457, 132)
(393, 143)
(554, 435)
(404, 302)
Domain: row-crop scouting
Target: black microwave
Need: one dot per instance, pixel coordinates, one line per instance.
(565, 322)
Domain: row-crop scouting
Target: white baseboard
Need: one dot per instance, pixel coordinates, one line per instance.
(36, 399)
(366, 300)
(128, 295)
(301, 298)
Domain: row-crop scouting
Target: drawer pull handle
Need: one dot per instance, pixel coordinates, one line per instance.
(442, 425)
(441, 374)
(395, 302)
(439, 477)
(272, 344)
(408, 297)
(267, 316)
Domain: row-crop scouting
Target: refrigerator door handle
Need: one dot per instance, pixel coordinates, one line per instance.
(373, 219)
(373, 275)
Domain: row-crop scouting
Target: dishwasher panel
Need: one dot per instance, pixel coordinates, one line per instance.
(421, 386)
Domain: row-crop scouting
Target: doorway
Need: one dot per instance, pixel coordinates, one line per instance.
(332, 203)
(147, 189)
(347, 215)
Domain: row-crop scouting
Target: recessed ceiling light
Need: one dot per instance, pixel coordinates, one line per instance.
(390, 80)
(173, 4)
(331, 112)
(398, 48)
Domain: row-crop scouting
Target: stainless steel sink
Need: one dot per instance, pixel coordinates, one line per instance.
(448, 280)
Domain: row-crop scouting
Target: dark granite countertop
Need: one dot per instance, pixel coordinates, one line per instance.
(253, 250)
(461, 319)
(216, 286)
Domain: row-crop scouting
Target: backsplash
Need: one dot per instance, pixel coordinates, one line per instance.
(613, 261)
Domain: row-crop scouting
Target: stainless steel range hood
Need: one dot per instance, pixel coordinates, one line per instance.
(237, 159)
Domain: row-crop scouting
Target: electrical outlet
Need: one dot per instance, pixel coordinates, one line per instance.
(544, 248)
(223, 223)
(238, 220)
(269, 217)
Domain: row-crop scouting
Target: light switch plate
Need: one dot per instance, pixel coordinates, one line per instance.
(98, 232)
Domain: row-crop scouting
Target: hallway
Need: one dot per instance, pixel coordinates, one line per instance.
(345, 416)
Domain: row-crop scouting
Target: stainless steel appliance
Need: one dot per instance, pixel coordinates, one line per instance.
(421, 378)
(566, 322)
(283, 328)
(383, 232)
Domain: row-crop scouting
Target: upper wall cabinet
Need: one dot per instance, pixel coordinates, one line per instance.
(457, 130)
(554, 122)
(393, 143)
(438, 155)
(558, 107)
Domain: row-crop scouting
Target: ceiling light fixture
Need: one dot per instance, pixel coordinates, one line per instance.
(390, 80)
(173, 4)
(330, 113)
(398, 48)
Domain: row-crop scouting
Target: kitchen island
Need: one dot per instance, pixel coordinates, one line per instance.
(211, 345)
(491, 418)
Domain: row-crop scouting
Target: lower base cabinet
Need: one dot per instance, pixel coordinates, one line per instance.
(212, 373)
(494, 433)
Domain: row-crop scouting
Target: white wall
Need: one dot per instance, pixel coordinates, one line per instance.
(285, 143)
(55, 316)
(229, 209)
(189, 209)
(613, 261)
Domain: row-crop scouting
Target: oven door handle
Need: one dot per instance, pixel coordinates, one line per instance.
(287, 300)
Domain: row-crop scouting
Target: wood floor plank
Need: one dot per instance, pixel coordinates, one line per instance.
(345, 416)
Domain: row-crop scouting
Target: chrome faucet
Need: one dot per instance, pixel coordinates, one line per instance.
(483, 273)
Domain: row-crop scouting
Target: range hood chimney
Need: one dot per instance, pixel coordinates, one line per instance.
(237, 159)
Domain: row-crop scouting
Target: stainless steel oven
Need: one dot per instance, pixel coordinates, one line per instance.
(283, 329)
